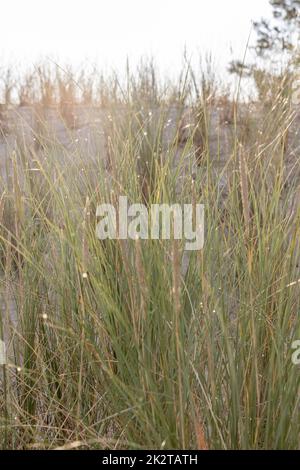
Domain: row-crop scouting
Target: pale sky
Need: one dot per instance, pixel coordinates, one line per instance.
(106, 31)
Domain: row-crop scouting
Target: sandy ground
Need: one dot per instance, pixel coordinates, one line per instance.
(84, 129)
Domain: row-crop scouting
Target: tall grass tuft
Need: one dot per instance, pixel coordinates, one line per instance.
(131, 343)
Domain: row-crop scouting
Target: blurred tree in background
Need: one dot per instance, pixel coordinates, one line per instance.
(277, 38)
(281, 33)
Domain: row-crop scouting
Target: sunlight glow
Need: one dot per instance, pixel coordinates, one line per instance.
(106, 31)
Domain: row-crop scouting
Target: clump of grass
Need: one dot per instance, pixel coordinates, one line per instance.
(112, 343)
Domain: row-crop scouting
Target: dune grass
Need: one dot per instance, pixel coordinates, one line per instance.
(112, 343)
